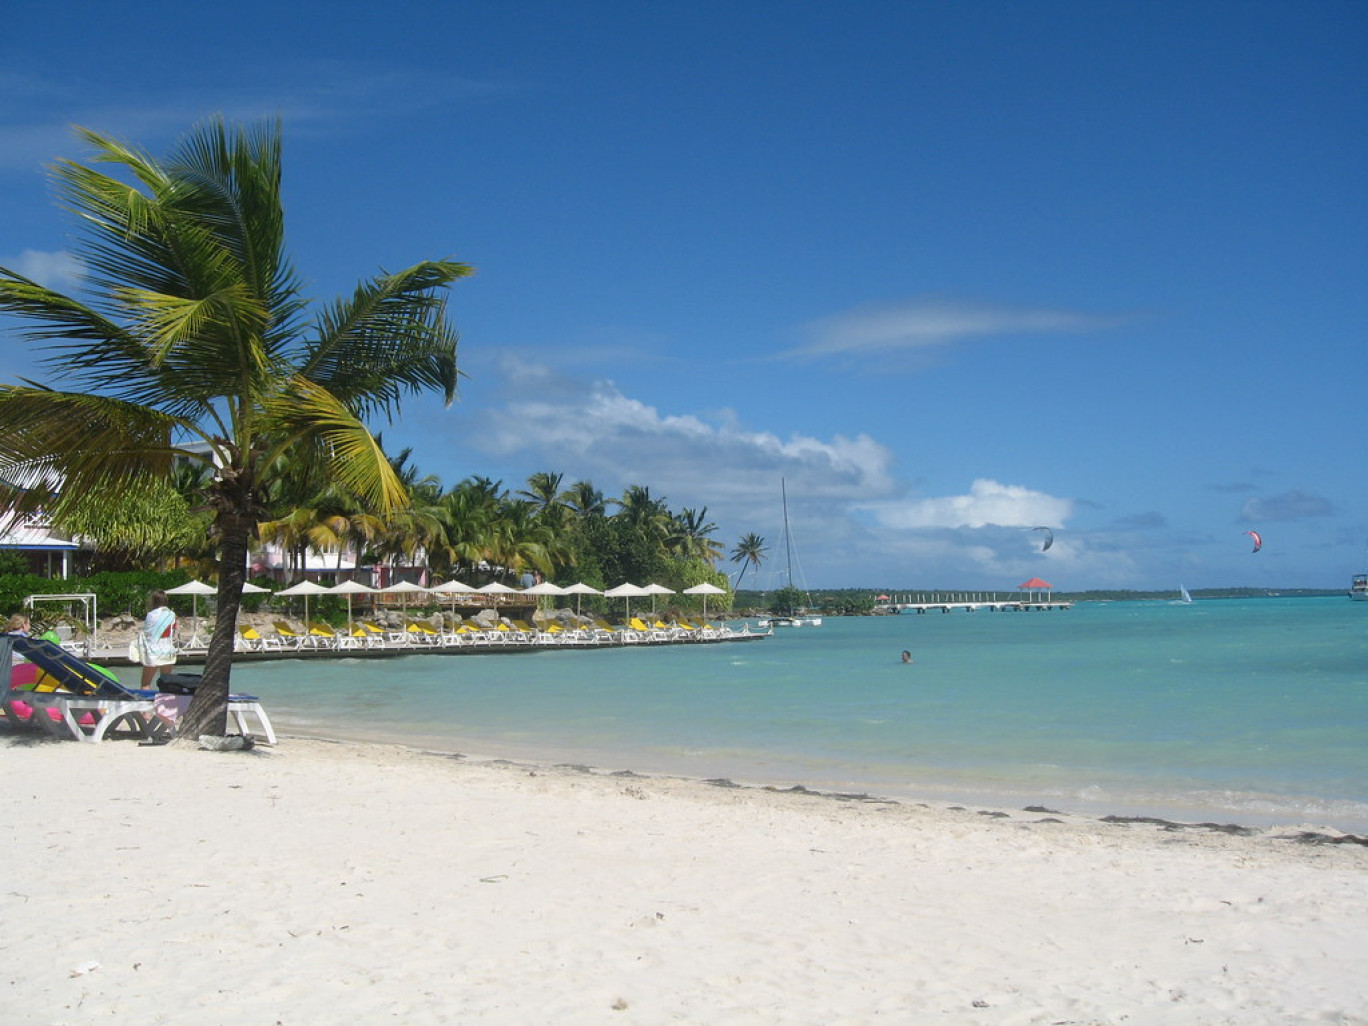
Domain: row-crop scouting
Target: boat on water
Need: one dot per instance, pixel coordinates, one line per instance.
(1358, 589)
(796, 618)
(791, 621)
(1184, 599)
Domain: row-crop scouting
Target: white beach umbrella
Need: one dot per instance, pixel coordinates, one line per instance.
(496, 588)
(350, 588)
(194, 589)
(403, 589)
(544, 588)
(627, 591)
(450, 589)
(579, 589)
(656, 589)
(305, 588)
(248, 588)
(705, 590)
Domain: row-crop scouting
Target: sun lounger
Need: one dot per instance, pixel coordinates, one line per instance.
(395, 637)
(288, 636)
(250, 639)
(321, 635)
(422, 633)
(467, 634)
(82, 701)
(361, 637)
(647, 632)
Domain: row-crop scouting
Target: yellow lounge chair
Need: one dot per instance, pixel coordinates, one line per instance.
(288, 636)
(422, 633)
(252, 640)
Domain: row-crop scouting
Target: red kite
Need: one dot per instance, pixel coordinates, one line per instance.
(1258, 542)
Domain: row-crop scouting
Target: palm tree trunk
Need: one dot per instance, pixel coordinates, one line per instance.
(208, 712)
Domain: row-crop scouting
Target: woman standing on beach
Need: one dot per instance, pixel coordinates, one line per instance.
(156, 639)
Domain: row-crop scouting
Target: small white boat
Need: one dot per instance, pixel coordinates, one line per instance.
(792, 621)
(1184, 598)
(1358, 590)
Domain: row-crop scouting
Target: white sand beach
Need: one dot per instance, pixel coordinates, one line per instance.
(346, 883)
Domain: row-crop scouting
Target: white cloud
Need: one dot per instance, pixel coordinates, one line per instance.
(60, 270)
(850, 515)
(591, 430)
(988, 503)
(924, 323)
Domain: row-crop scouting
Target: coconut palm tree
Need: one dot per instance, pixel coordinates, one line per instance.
(584, 500)
(644, 512)
(419, 529)
(749, 551)
(470, 514)
(543, 491)
(195, 342)
(689, 537)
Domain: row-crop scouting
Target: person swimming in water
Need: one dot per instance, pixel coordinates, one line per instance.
(906, 656)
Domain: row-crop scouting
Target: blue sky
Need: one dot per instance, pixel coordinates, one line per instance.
(949, 270)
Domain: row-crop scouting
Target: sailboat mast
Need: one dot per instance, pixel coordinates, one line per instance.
(788, 539)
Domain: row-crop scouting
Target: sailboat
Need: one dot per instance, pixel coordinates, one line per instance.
(1185, 599)
(795, 620)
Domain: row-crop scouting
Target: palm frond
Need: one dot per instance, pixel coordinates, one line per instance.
(306, 412)
(92, 444)
(390, 339)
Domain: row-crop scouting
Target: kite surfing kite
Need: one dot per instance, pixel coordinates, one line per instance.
(1258, 542)
(1049, 538)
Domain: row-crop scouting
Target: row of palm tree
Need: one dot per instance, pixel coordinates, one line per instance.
(479, 530)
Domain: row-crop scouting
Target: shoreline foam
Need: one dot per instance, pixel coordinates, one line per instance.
(346, 882)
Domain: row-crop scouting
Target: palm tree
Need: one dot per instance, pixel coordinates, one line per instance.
(749, 551)
(543, 491)
(646, 513)
(689, 538)
(419, 529)
(470, 513)
(584, 500)
(197, 331)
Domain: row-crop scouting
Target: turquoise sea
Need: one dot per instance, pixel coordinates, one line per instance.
(1247, 711)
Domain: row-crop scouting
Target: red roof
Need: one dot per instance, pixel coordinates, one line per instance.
(1035, 582)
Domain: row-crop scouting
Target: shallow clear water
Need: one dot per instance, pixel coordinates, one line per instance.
(1247, 710)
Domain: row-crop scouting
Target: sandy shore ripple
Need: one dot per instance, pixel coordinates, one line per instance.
(348, 883)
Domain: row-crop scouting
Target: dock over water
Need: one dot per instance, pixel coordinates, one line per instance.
(969, 603)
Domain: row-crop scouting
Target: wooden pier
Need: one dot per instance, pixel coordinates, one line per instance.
(971, 604)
